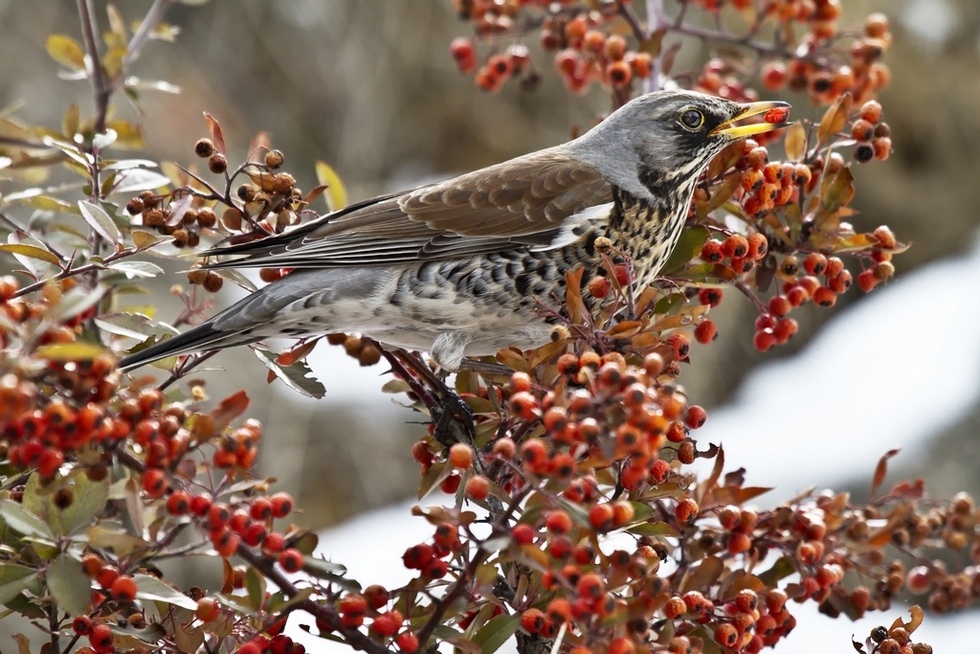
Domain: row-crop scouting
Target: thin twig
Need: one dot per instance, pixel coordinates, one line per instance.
(142, 35)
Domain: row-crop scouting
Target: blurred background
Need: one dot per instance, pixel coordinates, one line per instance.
(369, 87)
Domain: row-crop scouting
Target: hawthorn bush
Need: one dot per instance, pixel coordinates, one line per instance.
(569, 515)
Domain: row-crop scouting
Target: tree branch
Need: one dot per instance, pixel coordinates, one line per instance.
(100, 89)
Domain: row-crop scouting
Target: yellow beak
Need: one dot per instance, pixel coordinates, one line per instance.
(752, 109)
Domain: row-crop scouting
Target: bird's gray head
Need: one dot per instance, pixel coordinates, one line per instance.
(659, 141)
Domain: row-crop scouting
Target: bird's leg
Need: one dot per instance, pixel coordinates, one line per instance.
(485, 368)
(451, 416)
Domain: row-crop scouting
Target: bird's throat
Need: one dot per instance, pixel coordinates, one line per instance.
(648, 231)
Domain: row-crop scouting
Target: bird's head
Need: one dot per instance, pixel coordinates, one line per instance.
(664, 139)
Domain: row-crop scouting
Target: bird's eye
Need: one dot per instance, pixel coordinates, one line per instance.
(691, 118)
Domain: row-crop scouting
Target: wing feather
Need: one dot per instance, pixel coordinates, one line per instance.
(521, 202)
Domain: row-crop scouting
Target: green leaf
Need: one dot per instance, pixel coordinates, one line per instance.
(336, 193)
(654, 529)
(13, 579)
(278, 603)
(30, 251)
(66, 51)
(297, 376)
(255, 587)
(152, 589)
(100, 221)
(90, 499)
(68, 584)
(688, 246)
(18, 519)
(496, 632)
(76, 351)
(76, 302)
(143, 240)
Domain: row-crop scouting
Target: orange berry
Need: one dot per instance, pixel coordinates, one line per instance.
(533, 620)
(478, 487)
(619, 73)
(461, 456)
(559, 522)
(602, 517)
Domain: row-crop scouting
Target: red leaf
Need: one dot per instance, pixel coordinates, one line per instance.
(216, 134)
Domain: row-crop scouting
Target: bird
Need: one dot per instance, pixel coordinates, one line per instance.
(463, 267)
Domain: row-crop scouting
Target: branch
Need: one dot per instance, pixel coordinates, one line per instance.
(321, 612)
(102, 92)
(142, 35)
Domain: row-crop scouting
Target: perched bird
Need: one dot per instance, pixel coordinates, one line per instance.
(462, 267)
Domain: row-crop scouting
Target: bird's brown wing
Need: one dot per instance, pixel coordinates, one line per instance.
(520, 202)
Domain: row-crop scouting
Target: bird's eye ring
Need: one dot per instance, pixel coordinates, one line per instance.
(691, 118)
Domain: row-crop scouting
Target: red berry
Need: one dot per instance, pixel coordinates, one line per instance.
(558, 522)
(711, 251)
(774, 75)
(867, 280)
(599, 286)
(735, 246)
(706, 331)
(601, 517)
(695, 416)
(107, 575)
(200, 504)
(123, 589)
(101, 637)
(155, 482)
(260, 509)
(824, 297)
(779, 306)
(533, 621)
(353, 604)
(418, 556)
(785, 329)
(764, 340)
(82, 625)
(407, 642)
(179, 503)
(523, 534)
(710, 296)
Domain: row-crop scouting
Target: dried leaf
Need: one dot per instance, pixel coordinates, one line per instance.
(336, 193)
(881, 470)
(703, 575)
(834, 119)
(724, 192)
(216, 134)
(144, 240)
(230, 408)
(795, 141)
(66, 51)
(837, 191)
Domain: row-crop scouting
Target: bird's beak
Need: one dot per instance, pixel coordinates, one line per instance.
(733, 131)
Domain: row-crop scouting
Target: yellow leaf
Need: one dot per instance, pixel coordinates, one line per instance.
(69, 124)
(795, 141)
(834, 118)
(77, 351)
(336, 194)
(66, 51)
(31, 251)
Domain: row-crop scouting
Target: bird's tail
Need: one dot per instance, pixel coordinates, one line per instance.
(275, 310)
(203, 338)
